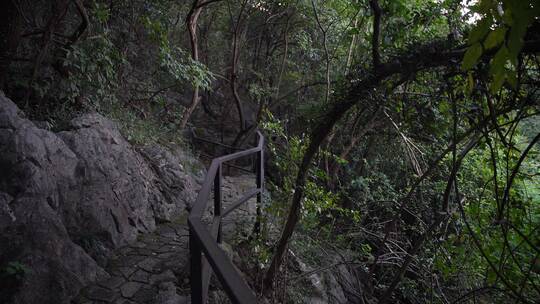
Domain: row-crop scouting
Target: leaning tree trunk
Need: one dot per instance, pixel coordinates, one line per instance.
(237, 27)
(317, 137)
(192, 18)
(418, 59)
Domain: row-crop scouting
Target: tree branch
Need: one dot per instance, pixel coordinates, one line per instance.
(359, 88)
(375, 39)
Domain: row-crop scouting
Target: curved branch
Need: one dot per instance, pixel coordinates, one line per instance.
(82, 27)
(360, 89)
(326, 54)
(515, 171)
(191, 22)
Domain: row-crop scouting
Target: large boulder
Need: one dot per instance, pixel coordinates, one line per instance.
(53, 268)
(68, 199)
(37, 257)
(176, 175)
(335, 280)
(110, 204)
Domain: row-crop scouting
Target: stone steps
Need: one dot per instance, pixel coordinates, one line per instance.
(155, 269)
(147, 271)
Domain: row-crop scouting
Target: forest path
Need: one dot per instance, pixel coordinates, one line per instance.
(155, 268)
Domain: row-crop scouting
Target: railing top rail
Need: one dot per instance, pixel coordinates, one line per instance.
(231, 280)
(229, 277)
(197, 137)
(204, 194)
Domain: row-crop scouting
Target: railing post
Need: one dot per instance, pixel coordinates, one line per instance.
(255, 158)
(200, 239)
(260, 173)
(217, 199)
(260, 185)
(196, 269)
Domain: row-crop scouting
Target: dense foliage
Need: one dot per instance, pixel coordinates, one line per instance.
(403, 131)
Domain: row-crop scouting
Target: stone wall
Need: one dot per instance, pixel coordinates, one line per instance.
(68, 199)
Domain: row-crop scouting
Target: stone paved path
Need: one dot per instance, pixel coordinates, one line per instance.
(155, 269)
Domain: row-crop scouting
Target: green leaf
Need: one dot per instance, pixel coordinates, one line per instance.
(511, 77)
(498, 80)
(495, 38)
(354, 31)
(471, 56)
(491, 276)
(484, 7)
(498, 70)
(515, 38)
(523, 15)
(481, 29)
(507, 17)
(498, 62)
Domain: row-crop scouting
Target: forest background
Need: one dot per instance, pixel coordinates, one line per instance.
(403, 132)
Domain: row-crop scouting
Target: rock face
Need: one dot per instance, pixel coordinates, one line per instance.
(68, 199)
(333, 281)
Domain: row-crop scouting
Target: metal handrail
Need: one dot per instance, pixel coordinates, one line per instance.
(201, 240)
(195, 137)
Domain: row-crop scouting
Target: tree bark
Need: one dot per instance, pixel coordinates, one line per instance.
(59, 10)
(326, 53)
(192, 18)
(73, 38)
(10, 36)
(237, 27)
(284, 59)
(375, 40)
(351, 47)
(352, 144)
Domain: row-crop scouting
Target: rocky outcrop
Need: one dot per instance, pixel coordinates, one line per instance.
(172, 180)
(68, 199)
(156, 268)
(335, 280)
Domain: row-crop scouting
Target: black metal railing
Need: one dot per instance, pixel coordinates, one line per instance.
(207, 257)
(225, 147)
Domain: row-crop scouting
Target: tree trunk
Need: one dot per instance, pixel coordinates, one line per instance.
(318, 136)
(334, 168)
(192, 18)
(420, 58)
(10, 36)
(59, 10)
(234, 69)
